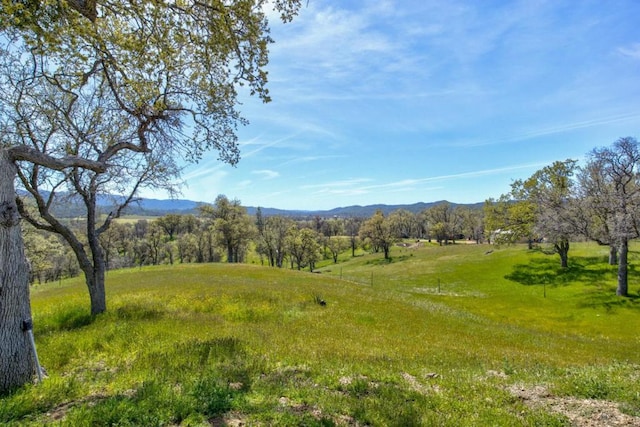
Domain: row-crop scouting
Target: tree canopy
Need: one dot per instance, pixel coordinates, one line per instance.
(550, 195)
(615, 198)
(104, 96)
(124, 89)
(169, 68)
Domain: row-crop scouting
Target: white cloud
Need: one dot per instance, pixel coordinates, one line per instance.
(266, 173)
(307, 159)
(262, 144)
(359, 186)
(244, 183)
(209, 170)
(485, 172)
(346, 47)
(337, 184)
(205, 183)
(360, 86)
(632, 51)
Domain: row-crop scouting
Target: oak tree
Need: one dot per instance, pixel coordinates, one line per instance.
(445, 222)
(551, 194)
(303, 247)
(232, 226)
(92, 91)
(377, 231)
(619, 174)
(595, 209)
(271, 238)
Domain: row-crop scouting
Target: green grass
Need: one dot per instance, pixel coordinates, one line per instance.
(436, 336)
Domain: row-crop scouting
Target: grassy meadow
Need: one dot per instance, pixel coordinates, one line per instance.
(436, 336)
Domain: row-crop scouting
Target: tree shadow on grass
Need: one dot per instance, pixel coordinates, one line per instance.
(78, 317)
(139, 311)
(594, 273)
(547, 271)
(66, 319)
(609, 300)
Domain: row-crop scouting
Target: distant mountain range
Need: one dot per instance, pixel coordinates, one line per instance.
(71, 207)
(180, 206)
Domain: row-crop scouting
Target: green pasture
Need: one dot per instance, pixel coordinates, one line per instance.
(435, 336)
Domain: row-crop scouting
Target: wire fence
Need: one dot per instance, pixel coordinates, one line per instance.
(369, 279)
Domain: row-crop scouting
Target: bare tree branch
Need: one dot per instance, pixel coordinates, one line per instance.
(22, 152)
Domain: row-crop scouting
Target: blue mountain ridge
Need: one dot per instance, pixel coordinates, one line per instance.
(70, 206)
(188, 206)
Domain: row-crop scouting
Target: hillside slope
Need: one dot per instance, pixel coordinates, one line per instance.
(438, 336)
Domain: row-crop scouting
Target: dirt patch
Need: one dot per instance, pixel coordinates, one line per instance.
(229, 420)
(420, 387)
(301, 409)
(580, 412)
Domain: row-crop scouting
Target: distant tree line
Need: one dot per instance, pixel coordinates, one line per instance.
(224, 232)
(558, 204)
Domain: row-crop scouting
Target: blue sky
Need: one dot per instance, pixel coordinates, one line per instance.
(402, 101)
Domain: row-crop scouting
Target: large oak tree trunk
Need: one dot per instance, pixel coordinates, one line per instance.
(94, 269)
(95, 276)
(97, 294)
(17, 365)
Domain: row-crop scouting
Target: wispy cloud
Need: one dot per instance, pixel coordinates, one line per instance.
(211, 169)
(632, 51)
(337, 184)
(486, 172)
(349, 48)
(266, 173)
(309, 159)
(360, 186)
(370, 98)
(204, 183)
(245, 183)
(544, 131)
(262, 144)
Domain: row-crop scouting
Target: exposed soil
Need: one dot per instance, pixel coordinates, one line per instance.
(581, 412)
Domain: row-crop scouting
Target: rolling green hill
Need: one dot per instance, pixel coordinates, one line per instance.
(456, 335)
